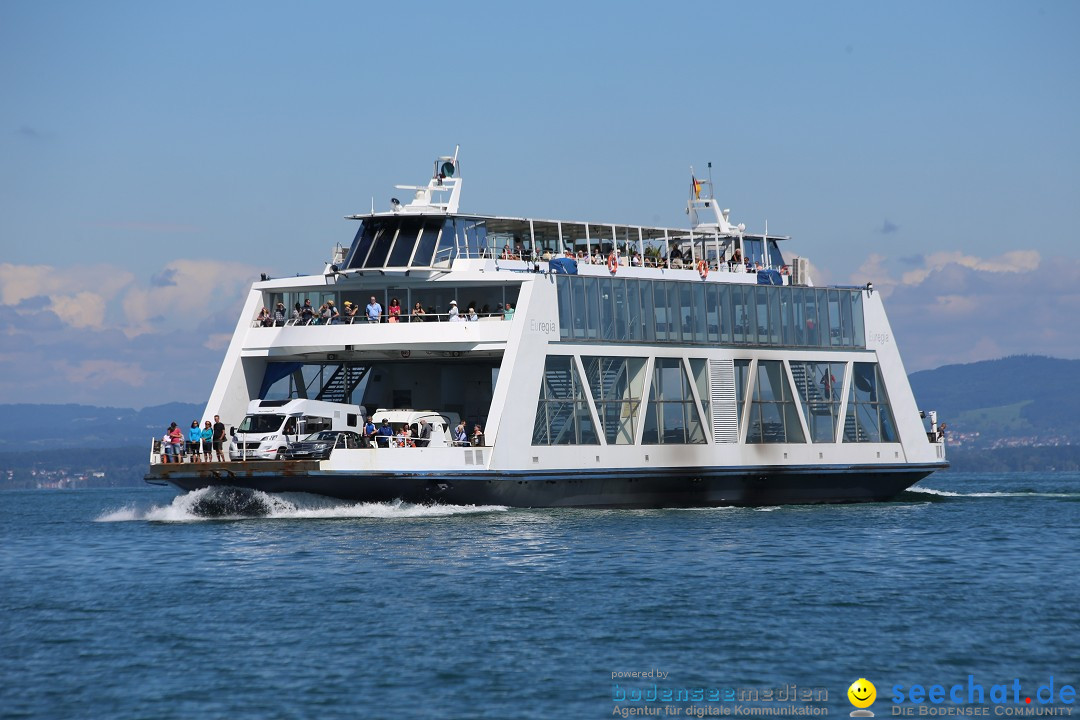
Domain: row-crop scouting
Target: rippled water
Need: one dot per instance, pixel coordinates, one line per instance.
(135, 604)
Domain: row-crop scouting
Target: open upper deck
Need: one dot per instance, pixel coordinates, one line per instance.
(427, 234)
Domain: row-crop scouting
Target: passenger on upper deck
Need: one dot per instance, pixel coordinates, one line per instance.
(264, 318)
(307, 313)
(417, 312)
(369, 432)
(506, 254)
(455, 316)
(279, 315)
(374, 311)
(460, 436)
(332, 316)
(472, 316)
(393, 312)
(477, 436)
(508, 312)
(350, 312)
(297, 314)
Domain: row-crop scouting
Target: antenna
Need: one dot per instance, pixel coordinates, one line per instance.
(712, 189)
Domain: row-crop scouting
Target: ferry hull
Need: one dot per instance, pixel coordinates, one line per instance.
(634, 488)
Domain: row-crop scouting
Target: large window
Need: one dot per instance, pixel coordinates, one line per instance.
(869, 416)
(562, 412)
(820, 386)
(773, 415)
(671, 416)
(616, 385)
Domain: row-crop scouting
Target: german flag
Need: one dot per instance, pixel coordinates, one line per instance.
(695, 187)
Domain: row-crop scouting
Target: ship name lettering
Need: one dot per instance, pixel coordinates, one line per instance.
(879, 338)
(544, 327)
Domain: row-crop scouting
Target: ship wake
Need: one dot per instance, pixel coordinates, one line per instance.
(228, 503)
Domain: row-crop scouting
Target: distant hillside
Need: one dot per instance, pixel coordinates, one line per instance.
(1024, 399)
(29, 427)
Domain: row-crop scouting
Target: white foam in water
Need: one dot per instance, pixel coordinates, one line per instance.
(946, 493)
(183, 509)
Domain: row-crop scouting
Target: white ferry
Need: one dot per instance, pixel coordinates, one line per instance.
(604, 365)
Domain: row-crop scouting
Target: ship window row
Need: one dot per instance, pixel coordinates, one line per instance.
(671, 311)
(676, 401)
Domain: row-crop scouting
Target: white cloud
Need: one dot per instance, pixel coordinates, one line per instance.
(97, 335)
(952, 307)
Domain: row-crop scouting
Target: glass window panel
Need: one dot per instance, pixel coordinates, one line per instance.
(592, 308)
(362, 243)
(712, 312)
(700, 323)
(786, 304)
(823, 317)
(761, 307)
(405, 242)
(675, 317)
(724, 295)
(686, 310)
(648, 311)
(586, 430)
(810, 319)
(847, 334)
(741, 323)
(425, 248)
(633, 310)
(663, 321)
(447, 248)
(562, 285)
(792, 427)
(607, 313)
(773, 292)
(650, 433)
(381, 246)
(674, 424)
(578, 290)
(858, 334)
(618, 293)
(836, 330)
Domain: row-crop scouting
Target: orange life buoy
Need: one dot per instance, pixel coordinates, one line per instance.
(703, 269)
(612, 263)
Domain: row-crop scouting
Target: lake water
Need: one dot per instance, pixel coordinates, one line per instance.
(124, 604)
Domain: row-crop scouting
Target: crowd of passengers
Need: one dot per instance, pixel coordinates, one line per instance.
(675, 259)
(203, 443)
(199, 444)
(385, 435)
(328, 314)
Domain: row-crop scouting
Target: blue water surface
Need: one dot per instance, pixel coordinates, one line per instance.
(126, 604)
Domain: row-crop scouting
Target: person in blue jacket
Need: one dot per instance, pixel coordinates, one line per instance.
(384, 433)
(194, 435)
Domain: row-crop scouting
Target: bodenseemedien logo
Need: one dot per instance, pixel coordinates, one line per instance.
(862, 694)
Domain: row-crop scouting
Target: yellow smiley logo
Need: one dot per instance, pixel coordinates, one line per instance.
(862, 693)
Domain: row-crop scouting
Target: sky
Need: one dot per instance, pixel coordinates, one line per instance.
(156, 157)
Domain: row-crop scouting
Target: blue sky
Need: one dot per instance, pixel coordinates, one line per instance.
(154, 158)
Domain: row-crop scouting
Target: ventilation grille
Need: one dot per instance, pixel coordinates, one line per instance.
(722, 403)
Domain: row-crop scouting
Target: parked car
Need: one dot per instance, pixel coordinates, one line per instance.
(318, 446)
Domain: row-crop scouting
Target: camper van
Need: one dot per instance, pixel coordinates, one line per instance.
(270, 425)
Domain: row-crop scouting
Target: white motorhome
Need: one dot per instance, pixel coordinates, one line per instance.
(270, 425)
